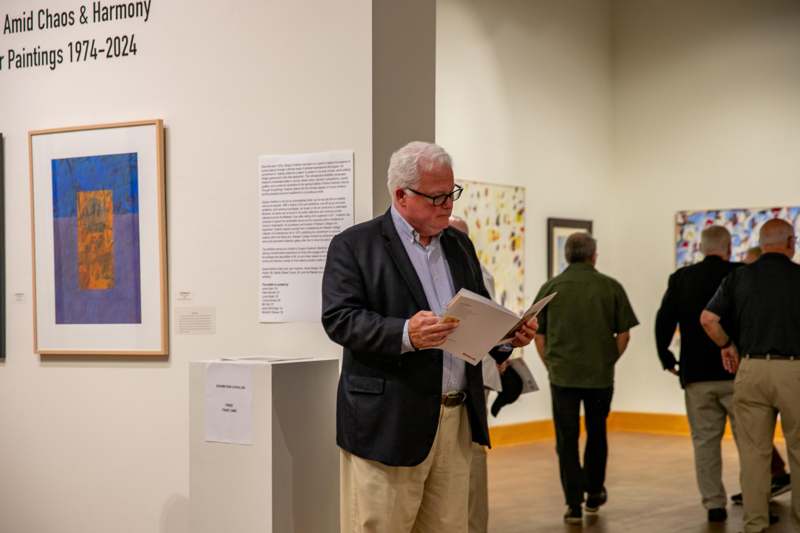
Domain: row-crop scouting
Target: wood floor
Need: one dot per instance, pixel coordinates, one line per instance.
(650, 482)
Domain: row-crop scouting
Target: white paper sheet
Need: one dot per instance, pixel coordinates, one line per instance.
(195, 320)
(229, 403)
(306, 199)
(482, 323)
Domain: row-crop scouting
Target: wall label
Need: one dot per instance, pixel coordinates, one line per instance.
(105, 47)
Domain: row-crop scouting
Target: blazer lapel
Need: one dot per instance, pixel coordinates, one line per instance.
(455, 260)
(398, 254)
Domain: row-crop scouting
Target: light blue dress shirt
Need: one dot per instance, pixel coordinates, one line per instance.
(433, 272)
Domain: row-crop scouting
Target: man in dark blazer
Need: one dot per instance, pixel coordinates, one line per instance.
(406, 412)
(708, 387)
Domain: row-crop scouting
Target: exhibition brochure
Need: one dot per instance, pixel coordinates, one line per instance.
(521, 367)
(483, 324)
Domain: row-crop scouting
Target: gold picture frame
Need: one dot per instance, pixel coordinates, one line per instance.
(98, 228)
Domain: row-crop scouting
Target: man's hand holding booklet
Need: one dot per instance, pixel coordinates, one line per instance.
(483, 324)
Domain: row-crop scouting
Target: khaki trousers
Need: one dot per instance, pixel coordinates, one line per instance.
(764, 388)
(431, 497)
(478, 491)
(708, 405)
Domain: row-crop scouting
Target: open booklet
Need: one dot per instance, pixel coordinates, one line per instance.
(483, 324)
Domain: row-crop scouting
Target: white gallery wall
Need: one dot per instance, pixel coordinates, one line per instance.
(706, 115)
(523, 97)
(94, 446)
(623, 112)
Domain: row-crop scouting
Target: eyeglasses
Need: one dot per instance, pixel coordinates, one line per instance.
(440, 199)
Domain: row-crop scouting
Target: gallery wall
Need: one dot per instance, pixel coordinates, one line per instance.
(623, 112)
(707, 115)
(523, 97)
(92, 445)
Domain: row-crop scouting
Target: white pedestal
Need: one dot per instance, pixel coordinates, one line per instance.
(287, 481)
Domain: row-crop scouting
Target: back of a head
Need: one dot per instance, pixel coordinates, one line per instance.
(460, 224)
(775, 235)
(752, 254)
(715, 240)
(580, 248)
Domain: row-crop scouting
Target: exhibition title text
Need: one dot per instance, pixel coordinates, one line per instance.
(75, 51)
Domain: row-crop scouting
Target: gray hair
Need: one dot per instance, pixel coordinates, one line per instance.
(715, 240)
(407, 162)
(580, 248)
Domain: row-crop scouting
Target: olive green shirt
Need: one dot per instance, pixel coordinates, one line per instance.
(580, 325)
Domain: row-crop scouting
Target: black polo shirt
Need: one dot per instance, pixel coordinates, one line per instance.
(762, 302)
(688, 292)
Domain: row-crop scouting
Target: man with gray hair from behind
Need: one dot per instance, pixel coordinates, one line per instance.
(582, 333)
(708, 387)
(760, 301)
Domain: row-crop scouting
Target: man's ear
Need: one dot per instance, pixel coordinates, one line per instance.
(400, 197)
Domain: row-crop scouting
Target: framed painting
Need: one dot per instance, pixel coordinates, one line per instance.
(495, 216)
(99, 240)
(743, 223)
(558, 230)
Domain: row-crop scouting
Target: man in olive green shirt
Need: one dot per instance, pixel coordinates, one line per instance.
(582, 334)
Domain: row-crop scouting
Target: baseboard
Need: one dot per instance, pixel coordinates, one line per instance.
(623, 421)
(510, 434)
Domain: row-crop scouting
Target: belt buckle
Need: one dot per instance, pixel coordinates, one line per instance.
(453, 398)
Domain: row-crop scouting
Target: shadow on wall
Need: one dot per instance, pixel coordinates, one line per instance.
(175, 516)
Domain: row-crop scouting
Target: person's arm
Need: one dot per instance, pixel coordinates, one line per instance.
(625, 320)
(623, 339)
(713, 328)
(666, 324)
(541, 346)
(721, 304)
(350, 323)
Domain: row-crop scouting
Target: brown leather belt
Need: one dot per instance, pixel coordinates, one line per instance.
(769, 356)
(454, 399)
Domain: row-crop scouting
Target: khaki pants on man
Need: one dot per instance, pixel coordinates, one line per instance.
(431, 497)
(708, 405)
(478, 491)
(764, 388)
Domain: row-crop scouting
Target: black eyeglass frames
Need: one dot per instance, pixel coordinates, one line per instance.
(440, 199)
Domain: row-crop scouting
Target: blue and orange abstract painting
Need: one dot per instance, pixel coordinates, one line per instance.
(96, 240)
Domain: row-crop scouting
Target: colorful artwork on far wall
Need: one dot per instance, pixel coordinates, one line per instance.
(495, 215)
(743, 224)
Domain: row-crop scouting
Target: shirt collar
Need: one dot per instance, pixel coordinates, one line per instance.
(583, 265)
(774, 256)
(406, 231)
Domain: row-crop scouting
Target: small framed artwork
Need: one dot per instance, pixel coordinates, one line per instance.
(99, 240)
(558, 229)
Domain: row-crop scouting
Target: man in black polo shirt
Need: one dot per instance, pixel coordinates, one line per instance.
(708, 387)
(761, 303)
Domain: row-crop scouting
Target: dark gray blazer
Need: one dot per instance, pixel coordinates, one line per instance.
(388, 403)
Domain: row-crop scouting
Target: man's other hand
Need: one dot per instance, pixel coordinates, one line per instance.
(525, 334)
(730, 358)
(427, 330)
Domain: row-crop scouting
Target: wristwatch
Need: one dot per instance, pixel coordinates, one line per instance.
(727, 344)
